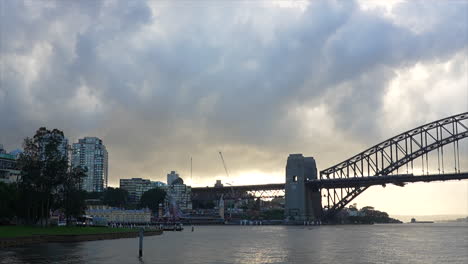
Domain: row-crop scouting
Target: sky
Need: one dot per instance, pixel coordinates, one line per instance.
(161, 82)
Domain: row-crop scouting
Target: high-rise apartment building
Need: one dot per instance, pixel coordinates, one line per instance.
(136, 187)
(171, 177)
(90, 153)
(179, 195)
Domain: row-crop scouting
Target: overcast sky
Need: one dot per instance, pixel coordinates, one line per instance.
(161, 82)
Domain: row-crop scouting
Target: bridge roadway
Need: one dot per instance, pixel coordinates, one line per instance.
(397, 179)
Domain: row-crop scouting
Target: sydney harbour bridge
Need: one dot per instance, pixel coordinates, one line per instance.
(427, 153)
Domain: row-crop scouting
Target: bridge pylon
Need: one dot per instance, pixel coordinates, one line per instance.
(302, 203)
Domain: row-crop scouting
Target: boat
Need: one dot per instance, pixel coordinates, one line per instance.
(173, 227)
(413, 221)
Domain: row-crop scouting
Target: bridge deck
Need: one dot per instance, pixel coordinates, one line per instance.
(399, 179)
(246, 188)
(387, 179)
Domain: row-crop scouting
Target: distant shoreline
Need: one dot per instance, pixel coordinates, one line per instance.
(436, 218)
(27, 240)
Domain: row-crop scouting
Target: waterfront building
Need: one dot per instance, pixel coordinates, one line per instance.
(106, 214)
(91, 153)
(136, 187)
(9, 172)
(351, 212)
(171, 177)
(179, 195)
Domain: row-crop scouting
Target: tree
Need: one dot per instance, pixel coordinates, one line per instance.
(152, 198)
(198, 204)
(116, 197)
(8, 196)
(367, 208)
(44, 168)
(71, 198)
(273, 214)
(94, 195)
(353, 207)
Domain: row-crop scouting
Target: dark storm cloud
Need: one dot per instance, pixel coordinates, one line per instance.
(162, 81)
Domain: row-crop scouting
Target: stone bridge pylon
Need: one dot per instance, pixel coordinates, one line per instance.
(302, 203)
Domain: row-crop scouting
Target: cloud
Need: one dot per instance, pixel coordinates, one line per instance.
(162, 81)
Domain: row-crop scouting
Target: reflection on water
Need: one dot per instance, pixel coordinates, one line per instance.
(431, 243)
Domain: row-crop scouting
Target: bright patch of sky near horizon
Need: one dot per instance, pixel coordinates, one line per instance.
(161, 82)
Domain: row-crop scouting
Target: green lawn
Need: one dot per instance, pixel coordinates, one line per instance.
(21, 231)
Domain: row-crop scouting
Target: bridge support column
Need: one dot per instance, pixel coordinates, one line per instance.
(302, 203)
(314, 204)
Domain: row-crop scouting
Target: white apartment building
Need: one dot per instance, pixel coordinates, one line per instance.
(91, 153)
(179, 194)
(171, 177)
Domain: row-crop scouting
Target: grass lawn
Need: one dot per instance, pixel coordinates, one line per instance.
(21, 231)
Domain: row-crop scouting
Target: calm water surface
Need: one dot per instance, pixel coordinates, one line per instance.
(405, 243)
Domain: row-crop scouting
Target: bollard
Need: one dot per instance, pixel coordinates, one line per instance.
(140, 251)
(192, 228)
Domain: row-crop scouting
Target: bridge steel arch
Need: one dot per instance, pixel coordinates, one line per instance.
(395, 154)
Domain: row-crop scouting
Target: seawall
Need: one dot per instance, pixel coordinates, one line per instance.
(19, 241)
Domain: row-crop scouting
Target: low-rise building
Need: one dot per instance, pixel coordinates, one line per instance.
(354, 212)
(119, 215)
(9, 171)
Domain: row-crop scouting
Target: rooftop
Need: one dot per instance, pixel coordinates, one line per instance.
(7, 156)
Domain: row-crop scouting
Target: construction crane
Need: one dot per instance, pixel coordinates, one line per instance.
(224, 164)
(227, 174)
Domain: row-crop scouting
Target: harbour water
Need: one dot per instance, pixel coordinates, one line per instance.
(398, 243)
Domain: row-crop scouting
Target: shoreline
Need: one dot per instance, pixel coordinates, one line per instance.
(27, 240)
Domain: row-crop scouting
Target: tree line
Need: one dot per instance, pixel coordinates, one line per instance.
(369, 215)
(117, 197)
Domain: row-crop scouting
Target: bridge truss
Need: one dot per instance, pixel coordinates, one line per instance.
(264, 191)
(405, 152)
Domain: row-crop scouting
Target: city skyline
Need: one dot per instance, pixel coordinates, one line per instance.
(163, 83)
